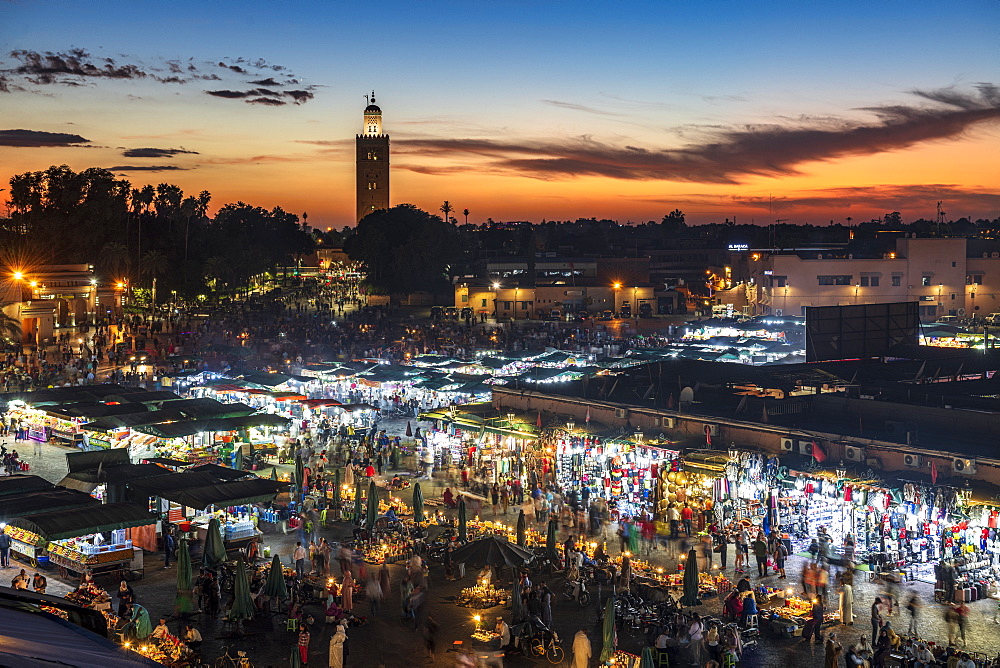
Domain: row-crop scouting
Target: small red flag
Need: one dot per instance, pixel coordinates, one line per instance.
(818, 453)
(708, 434)
(588, 415)
(538, 422)
(933, 472)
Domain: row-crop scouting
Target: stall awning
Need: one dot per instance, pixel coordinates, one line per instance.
(319, 403)
(43, 502)
(221, 472)
(201, 489)
(164, 461)
(191, 427)
(74, 522)
(87, 480)
(23, 484)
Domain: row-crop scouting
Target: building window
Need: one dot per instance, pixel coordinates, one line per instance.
(465, 299)
(779, 281)
(928, 311)
(869, 281)
(372, 185)
(896, 280)
(483, 305)
(834, 280)
(925, 280)
(974, 279)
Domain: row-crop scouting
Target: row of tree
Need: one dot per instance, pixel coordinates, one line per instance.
(59, 216)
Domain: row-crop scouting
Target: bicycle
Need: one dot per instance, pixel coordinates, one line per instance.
(548, 646)
(238, 661)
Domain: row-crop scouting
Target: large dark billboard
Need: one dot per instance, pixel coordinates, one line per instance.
(859, 332)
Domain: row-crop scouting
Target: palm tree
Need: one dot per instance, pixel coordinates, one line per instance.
(114, 257)
(154, 263)
(446, 209)
(10, 328)
(465, 212)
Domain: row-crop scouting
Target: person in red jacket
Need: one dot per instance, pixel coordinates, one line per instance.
(686, 516)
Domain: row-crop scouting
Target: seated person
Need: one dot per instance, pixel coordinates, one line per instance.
(448, 498)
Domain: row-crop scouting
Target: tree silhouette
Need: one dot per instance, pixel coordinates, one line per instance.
(10, 328)
(446, 209)
(465, 212)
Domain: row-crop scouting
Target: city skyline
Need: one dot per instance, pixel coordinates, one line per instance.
(527, 112)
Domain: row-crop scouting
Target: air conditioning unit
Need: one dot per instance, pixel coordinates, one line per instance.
(913, 461)
(787, 444)
(806, 448)
(854, 454)
(963, 466)
(621, 413)
(778, 311)
(668, 422)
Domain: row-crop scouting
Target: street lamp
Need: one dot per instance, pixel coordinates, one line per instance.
(570, 425)
(510, 420)
(638, 436)
(841, 471)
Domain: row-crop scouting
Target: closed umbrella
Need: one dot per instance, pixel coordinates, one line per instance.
(274, 587)
(242, 607)
(349, 475)
(463, 529)
(183, 603)
(522, 539)
(517, 603)
(336, 488)
(294, 660)
(409, 430)
(372, 511)
(214, 552)
(357, 502)
(609, 636)
(418, 503)
(647, 660)
(550, 544)
(300, 477)
(274, 473)
(237, 457)
(691, 580)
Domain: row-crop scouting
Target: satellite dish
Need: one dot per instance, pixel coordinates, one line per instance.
(687, 396)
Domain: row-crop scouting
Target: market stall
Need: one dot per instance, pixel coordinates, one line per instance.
(84, 538)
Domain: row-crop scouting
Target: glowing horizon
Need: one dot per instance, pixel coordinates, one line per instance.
(521, 112)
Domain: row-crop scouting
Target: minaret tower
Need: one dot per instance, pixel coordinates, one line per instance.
(373, 163)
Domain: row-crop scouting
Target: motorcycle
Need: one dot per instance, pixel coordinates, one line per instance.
(577, 592)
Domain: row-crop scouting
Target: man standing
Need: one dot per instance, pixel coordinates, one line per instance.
(168, 547)
(687, 515)
(675, 517)
(299, 557)
(4, 550)
(760, 552)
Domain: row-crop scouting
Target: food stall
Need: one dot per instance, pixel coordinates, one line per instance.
(77, 539)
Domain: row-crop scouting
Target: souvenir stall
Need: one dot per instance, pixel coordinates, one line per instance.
(37, 421)
(623, 470)
(89, 538)
(839, 506)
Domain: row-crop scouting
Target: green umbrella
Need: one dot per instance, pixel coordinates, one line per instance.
(522, 540)
(357, 502)
(691, 580)
(463, 529)
(294, 661)
(214, 552)
(418, 503)
(274, 473)
(183, 603)
(646, 660)
(242, 607)
(336, 488)
(610, 638)
(372, 511)
(237, 457)
(551, 551)
(274, 587)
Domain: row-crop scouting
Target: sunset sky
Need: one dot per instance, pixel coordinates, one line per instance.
(521, 110)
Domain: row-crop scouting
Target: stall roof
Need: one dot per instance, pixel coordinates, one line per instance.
(74, 522)
(221, 472)
(164, 461)
(71, 394)
(23, 484)
(265, 379)
(43, 502)
(201, 489)
(146, 397)
(318, 403)
(207, 408)
(112, 422)
(88, 479)
(80, 461)
(92, 410)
